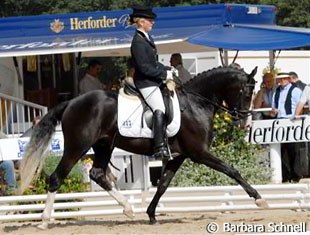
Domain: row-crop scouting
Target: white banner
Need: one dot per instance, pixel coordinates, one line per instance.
(280, 131)
(14, 148)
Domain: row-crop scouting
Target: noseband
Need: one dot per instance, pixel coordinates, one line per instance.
(239, 112)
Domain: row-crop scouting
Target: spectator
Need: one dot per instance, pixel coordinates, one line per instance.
(284, 104)
(295, 80)
(286, 97)
(177, 62)
(91, 79)
(8, 172)
(263, 98)
(302, 148)
(130, 68)
(128, 78)
(305, 98)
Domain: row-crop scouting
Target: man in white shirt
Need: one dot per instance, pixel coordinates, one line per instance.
(285, 98)
(284, 105)
(91, 80)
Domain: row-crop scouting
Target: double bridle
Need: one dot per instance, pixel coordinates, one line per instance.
(236, 113)
(243, 92)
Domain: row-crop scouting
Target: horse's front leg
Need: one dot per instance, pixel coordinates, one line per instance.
(104, 178)
(217, 164)
(168, 174)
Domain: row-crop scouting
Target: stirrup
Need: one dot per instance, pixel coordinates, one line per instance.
(162, 153)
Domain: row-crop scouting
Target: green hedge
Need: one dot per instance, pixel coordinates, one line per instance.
(228, 144)
(75, 181)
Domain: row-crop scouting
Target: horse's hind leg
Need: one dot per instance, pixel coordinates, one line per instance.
(46, 214)
(168, 174)
(219, 165)
(55, 181)
(102, 175)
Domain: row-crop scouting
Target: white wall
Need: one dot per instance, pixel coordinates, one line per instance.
(8, 77)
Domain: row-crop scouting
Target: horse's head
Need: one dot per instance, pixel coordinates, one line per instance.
(238, 96)
(228, 85)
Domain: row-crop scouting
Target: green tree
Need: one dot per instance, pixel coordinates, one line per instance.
(290, 12)
(23, 7)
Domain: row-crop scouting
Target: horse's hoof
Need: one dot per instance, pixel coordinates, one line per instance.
(129, 212)
(262, 203)
(43, 226)
(153, 222)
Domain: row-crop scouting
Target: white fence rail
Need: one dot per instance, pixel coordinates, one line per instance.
(218, 198)
(16, 114)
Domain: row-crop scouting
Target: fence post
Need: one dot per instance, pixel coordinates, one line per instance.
(275, 163)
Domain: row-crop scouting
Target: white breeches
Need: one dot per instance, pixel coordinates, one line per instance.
(154, 98)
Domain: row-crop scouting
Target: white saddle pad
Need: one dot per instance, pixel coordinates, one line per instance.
(130, 117)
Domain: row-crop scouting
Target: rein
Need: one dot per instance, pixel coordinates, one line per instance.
(235, 113)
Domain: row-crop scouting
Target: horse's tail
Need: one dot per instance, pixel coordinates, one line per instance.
(35, 151)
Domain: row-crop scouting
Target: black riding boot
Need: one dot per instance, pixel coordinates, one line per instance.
(159, 129)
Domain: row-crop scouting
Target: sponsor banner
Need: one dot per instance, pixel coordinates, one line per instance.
(14, 148)
(280, 131)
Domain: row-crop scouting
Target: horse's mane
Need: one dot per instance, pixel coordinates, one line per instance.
(216, 76)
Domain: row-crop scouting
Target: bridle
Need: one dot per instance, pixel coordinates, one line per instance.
(246, 90)
(236, 113)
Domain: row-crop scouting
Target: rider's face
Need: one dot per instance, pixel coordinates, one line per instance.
(147, 24)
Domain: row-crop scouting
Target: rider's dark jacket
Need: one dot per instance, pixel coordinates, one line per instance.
(148, 71)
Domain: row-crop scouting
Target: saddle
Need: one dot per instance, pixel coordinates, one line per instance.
(135, 117)
(131, 90)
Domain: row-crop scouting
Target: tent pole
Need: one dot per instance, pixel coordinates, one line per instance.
(226, 57)
(20, 81)
(223, 56)
(54, 71)
(236, 56)
(18, 62)
(39, 73)
(76, 67)
(271, 59)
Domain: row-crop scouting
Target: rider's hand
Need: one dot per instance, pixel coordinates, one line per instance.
(175, 72)
(169, 75)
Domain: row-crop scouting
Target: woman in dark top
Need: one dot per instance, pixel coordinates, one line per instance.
(149, 73)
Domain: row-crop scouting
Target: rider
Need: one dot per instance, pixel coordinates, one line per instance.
(149, 73)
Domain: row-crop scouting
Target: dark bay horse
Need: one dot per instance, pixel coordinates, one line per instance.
(90, 120)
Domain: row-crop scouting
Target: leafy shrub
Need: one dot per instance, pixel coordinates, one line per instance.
(229, 145)
(73, 183)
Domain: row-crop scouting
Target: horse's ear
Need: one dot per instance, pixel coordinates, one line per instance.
(254, 71)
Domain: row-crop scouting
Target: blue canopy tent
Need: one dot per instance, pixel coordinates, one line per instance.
(177, 29)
